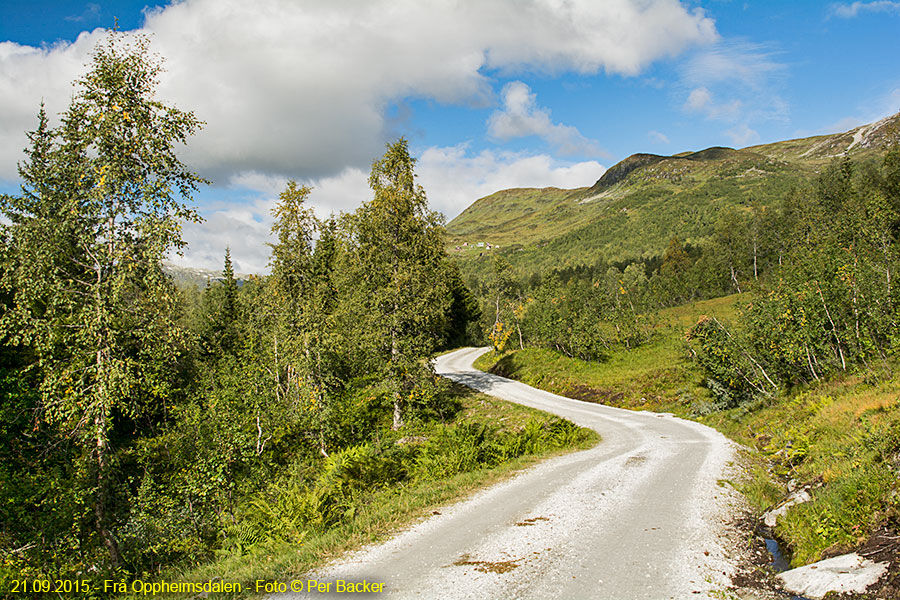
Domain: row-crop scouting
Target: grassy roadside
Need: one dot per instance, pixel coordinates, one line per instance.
(655, 376)
(841, 438)
(375, 511)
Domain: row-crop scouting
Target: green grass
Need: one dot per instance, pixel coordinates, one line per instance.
(655, 376)
(841, 436)
(384, 511)
(844, 437)
(501, 217)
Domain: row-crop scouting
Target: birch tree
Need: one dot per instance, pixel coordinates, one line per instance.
(103, 198)
(400, 262)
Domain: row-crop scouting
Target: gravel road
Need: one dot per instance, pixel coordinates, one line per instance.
(639, 516)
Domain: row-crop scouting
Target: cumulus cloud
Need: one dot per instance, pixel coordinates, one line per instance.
(453, 178)
(245, 223)
(300, 87)
(241, 228)
(849, 11)
(522, 117)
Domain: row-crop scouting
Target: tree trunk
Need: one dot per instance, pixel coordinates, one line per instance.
(734, 279)
(398, 414)
(395, 353)
(834, 331)
(809, 362)
(102, 493)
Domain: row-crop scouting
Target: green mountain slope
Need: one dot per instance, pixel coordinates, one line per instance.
(636, 207)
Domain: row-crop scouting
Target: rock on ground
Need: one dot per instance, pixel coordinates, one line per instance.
(846, 573)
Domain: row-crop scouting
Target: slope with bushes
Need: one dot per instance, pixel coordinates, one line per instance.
(634, 209)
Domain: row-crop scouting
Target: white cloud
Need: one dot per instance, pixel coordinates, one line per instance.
(742, 135)
(300, 87)
(91, 13)
(701, 100)
(888, 104)
(522, 117)
(842, 125)
(452, 179)
(658, 137)
(849, 11)
(738, 63)
(737, 83)
(874, 109)
(698, 99)
(244, 228)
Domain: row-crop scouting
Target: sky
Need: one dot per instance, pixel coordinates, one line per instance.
(490, 95)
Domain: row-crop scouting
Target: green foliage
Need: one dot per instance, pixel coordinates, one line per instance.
(733, 376)
(398, 268)
(464, 313)
(103, 195)
(506, 303)
(839, 514)
(293, 508)
(219, 314)
(841, 436)
(144, 427)
(831, 303)
(634, 209)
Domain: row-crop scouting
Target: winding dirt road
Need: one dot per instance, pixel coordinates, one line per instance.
(640, 516)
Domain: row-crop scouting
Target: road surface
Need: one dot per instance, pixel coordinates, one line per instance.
(640, 516)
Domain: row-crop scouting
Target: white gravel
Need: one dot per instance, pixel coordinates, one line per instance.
(641, 515)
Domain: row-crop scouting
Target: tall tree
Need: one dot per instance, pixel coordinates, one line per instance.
(102, 199)
(507, 304)
(305, 297)
(400, 257)
(220, 318)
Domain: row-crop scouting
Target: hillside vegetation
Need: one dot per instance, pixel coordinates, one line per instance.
(635, 208)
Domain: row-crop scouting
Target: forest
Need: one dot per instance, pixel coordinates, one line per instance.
(820, 266)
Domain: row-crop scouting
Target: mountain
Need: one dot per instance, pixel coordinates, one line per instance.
(637, 205)
(186, 277)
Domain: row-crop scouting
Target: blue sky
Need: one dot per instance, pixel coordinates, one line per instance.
(491, 95)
